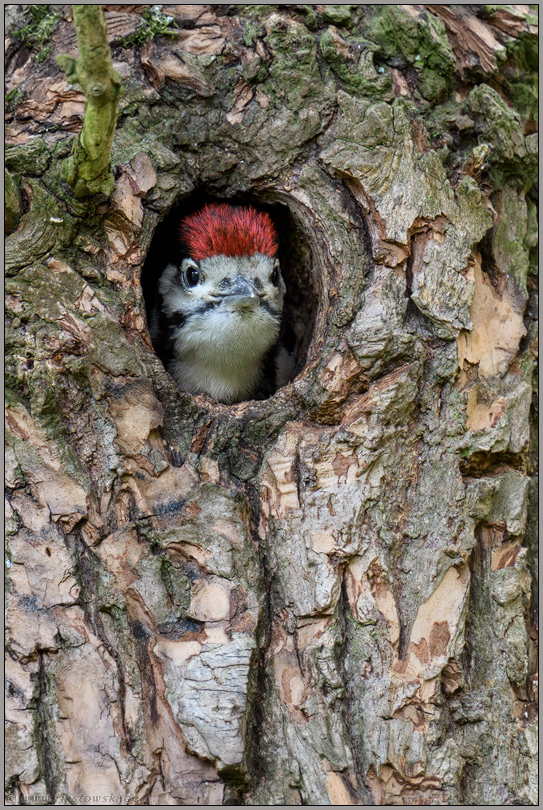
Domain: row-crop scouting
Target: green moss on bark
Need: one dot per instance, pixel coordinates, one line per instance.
(43, 19)
(31, 158)
(421, 44)
(351, 60)
(13, 204)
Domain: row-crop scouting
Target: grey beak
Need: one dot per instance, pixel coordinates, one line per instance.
(239, 286)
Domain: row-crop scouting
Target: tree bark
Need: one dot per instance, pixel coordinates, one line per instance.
(323, 598)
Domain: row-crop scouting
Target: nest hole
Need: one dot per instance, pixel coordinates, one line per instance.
(294, 255)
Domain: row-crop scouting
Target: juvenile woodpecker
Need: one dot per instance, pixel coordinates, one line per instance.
(221, 309)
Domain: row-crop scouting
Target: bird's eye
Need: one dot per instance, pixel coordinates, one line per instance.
(192, 276)
(274, 278)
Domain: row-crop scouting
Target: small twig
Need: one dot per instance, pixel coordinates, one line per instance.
(88, 169)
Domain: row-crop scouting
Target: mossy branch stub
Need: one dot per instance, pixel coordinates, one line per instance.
(88, 169)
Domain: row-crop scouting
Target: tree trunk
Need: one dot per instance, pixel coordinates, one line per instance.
(322, 598)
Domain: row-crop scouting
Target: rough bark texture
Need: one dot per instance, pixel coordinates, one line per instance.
(322, 598)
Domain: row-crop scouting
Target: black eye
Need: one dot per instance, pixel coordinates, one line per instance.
(193, 276)
(274, 278)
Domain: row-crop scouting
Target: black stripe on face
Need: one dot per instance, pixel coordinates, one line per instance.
(276, 315)
(204, 308)
(176, 319)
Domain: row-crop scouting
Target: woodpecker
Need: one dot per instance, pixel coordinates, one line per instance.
(219, 314)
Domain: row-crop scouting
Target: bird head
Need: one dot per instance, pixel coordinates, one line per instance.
(231, 274)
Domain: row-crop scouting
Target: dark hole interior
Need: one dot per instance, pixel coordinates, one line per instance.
(294, 256)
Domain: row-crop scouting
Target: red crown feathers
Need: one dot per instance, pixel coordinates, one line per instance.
(227, 230)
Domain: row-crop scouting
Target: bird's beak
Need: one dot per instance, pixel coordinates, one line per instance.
(240, 293)
(240, 286)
